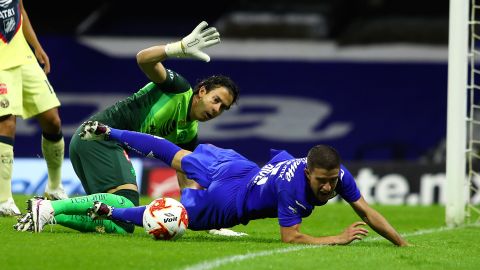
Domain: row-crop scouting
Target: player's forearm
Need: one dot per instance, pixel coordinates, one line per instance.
(28, 32)
(301, 238)
(151, 55)
(378, 223)
(149, 60)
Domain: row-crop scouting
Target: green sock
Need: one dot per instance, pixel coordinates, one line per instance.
(84, 223)
(80, 205)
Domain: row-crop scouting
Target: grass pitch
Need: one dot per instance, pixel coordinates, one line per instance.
(433, 246)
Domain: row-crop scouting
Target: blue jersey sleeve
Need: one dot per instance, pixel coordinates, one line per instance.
(288, 213)
(347, 188)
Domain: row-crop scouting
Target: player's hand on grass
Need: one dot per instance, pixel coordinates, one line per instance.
(192, 45)
(352, 232)
(94, 131)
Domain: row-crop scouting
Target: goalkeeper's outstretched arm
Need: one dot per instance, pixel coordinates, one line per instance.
(191, 46)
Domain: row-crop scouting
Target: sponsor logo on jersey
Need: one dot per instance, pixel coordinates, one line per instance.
(7, 13)
(289, 170)
(10, 20)
(5, 3)
(301, 205)
(293, 209)
(3, 89)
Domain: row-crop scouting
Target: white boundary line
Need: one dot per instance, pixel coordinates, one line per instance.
(206, 265)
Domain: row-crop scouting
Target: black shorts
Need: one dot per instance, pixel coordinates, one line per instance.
(100, 165)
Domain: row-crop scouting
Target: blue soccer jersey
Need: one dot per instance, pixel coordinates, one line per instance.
(281, 190)
(238, 191)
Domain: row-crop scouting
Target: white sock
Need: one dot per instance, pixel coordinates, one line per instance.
(6, 167)
(53, 152)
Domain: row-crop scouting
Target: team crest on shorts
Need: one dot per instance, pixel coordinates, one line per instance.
(4, 103)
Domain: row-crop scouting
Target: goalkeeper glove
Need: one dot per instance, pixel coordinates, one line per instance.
(191, 45)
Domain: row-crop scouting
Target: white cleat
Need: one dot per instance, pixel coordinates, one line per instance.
(42, 213)
(9, 208)
(226, 232)
(55, 194)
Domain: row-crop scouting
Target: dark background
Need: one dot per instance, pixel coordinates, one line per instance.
(346, 21)
(398, 109)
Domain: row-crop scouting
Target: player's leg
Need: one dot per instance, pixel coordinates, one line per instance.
(145, 144)
(53, 148)
(81, 219)
(80, 205)
(10, 105)
(102, 166)
(41, 101)
(7, 204)
(83, 223)
(73, 213)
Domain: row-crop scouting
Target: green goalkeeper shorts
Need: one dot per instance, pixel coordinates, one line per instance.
(100, 165)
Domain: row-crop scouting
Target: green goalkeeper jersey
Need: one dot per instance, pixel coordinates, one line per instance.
(157, 109)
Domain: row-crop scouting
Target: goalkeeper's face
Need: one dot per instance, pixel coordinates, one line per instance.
(208, 105)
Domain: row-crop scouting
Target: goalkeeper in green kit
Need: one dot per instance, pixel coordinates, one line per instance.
(167, 107)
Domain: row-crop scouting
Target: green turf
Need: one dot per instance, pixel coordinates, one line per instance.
(60, 248)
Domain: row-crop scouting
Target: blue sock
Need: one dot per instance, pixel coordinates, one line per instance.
(131, 215)
(146, 144)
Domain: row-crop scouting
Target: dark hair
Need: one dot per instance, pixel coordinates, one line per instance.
(324, 157)
(217, 81)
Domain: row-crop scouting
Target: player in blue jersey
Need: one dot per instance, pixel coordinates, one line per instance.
(236, 190)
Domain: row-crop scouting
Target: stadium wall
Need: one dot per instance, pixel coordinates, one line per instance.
(391, 107)
(378, 105)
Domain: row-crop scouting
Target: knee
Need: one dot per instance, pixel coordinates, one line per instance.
(51, 124)
(55, 123)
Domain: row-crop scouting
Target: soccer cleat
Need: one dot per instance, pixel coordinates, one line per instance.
(55, 194)
(42, 213)
(30, 202)
(100, 210)
(24, 223)
(226, 232)
(9, 208)
(94, 131)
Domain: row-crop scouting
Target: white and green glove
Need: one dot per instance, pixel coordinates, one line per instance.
(191, 46)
